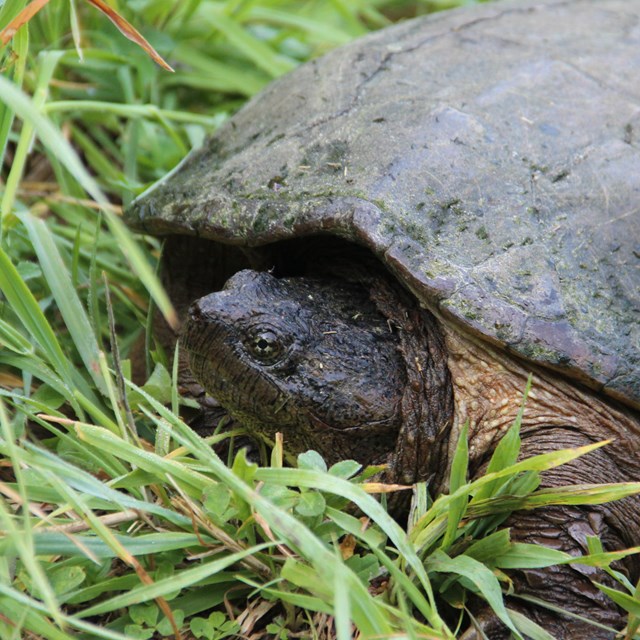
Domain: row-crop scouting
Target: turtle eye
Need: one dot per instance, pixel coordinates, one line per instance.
(265, 345)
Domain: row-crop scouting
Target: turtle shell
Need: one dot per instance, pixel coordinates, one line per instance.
(489, 156)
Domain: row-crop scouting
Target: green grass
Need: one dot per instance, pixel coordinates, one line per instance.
(116, 519)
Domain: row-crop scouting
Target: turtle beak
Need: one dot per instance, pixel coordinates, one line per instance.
(195, 330)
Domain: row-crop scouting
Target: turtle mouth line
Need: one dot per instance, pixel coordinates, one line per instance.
(369, 427)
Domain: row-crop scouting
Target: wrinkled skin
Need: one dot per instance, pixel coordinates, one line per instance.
(345, 368)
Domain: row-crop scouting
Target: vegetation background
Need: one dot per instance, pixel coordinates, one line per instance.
(117, 520)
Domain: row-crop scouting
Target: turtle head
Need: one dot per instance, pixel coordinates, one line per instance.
(313, 358)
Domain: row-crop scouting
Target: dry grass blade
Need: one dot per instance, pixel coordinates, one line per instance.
(130, 32)
(9, 381)
(21, 19)
(383, 487)
(200, 520)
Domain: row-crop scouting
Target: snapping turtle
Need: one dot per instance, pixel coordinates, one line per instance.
(412, 224)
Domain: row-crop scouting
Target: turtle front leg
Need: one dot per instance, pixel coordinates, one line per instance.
(566, 528)
(568, 587)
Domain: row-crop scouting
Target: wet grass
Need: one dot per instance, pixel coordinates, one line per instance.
(116, 519)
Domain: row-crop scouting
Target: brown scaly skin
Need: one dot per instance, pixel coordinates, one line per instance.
(487, 390)
(357, 370)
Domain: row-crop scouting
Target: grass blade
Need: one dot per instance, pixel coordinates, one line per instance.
(528, 627)
(255, 50)
(457, 479)
(483, 579)
(59, 146)
(161, 588)
(27, 309)
(69, 304)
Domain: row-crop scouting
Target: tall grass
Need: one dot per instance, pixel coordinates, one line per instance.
(116, 519)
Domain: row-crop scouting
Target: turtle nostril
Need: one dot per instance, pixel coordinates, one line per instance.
(195, 312)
